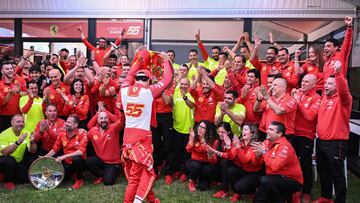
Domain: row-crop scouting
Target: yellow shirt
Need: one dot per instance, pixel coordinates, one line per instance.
(183, 115)
(193, 71)
(35, 113)
(7, 138)
(237, 109)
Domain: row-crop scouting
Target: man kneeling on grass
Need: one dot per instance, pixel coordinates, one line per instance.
(73, 141)
(105, 139)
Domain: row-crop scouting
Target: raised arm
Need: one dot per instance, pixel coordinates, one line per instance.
(202, 48)
(160, 86)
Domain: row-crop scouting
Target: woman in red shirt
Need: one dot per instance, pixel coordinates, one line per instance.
(77, 102)
(244, 178)
(313, 65)
(226, 152)
(202, 161)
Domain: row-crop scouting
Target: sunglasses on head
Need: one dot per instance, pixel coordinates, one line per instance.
(142, 78)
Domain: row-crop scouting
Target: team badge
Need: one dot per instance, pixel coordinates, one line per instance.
(310, 68)
(95, 137)
(201, 99)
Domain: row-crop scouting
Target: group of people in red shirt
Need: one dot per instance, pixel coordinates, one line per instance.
(251, 124)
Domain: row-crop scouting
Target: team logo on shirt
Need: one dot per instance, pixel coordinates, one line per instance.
(95, 137)
(329, 104)
(64, 143)
(310, 68)
(201, 99)
(264, 68)
(6, 89)
(52, 96)
(97, 51)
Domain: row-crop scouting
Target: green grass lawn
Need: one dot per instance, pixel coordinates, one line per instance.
(177, 192)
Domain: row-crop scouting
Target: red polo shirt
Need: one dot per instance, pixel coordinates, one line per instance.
(56, 99)
(49, 136)
(12, 106)
(289, 104)
(251, 116)
(265, 69)
(70, 145)
(288, 73)
(205, 105)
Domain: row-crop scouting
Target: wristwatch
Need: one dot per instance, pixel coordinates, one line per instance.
(16, 142)
(185, 98)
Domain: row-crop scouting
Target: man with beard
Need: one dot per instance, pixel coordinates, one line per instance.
(101, 49)
(31, 107)
(333, 137)
(287, 69)
(280, 107)
(270, 67)
(231, 112)
(248, 97)
(333, 52)
(47, 130)
(105, 139)
(209, 62)
(13, 143)
(11, 88)
(193, 64)
(283, 173)
(73, 142)
(206, 97)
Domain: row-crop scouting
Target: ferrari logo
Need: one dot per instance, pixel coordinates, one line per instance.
(54, 29)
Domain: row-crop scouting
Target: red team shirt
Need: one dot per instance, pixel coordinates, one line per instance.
(306, 114)
(281, 159)
(12, 107)
(50, 135)
(205, 105)
(334, 113)
(289, 104)
(70, 145)
(106, 144)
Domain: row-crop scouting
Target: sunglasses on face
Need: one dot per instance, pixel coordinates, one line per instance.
(142, 78)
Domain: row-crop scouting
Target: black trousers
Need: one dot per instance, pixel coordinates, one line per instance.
(163, 142)
(225, 179)
(276, 189)
(12, 170)
(243, 182)
(304, 147)
(77, 167)
(180, 156)
(204, 172)
(101, 169)
(330, 156)
(5, 122)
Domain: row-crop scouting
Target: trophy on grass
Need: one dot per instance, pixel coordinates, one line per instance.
(46, 173)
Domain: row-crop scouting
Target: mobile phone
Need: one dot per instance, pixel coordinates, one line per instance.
(31, 48)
